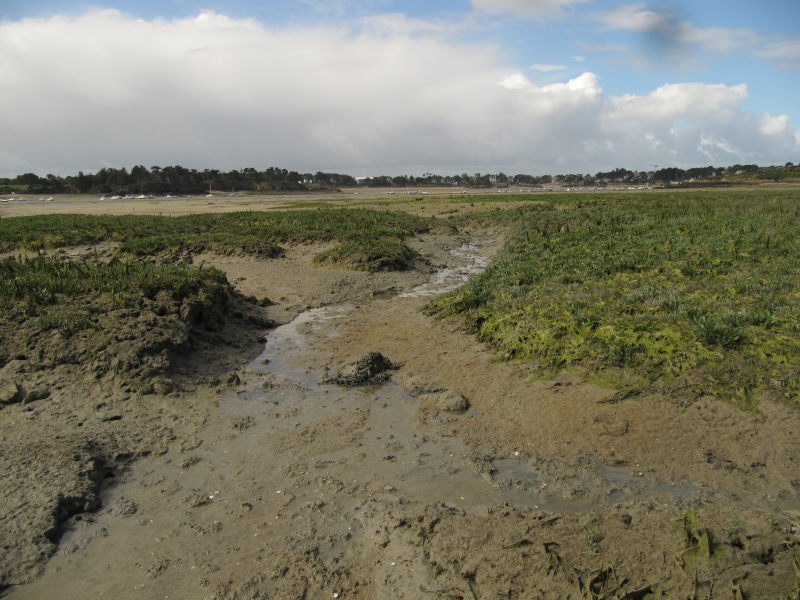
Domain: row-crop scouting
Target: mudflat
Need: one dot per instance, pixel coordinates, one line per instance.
(225, 459)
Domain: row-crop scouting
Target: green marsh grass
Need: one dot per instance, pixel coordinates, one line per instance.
(73, 295)
(68, 295)
(40, 281)
(254, 233)
(591, 537)
(661, 290)
(372, 255)
(696, 542)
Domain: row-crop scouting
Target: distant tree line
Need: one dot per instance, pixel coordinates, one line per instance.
(174, 180)
(667, 175)
(179, 180)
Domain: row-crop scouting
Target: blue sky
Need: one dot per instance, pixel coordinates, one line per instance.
(369, 86)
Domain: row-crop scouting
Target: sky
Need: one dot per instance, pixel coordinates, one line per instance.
(369, 87)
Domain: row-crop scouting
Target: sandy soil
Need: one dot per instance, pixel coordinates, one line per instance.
(26, 204)
(462, 477)
(428, 202)
(160, 205)
(439, 201)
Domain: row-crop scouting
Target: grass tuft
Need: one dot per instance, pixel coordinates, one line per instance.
(370, 255)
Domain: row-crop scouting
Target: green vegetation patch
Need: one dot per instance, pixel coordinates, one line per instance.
(68, 294)
(365, 234)
(120, 319)
(695, 539)
(370, 255)
(688, 293)
(226, 242)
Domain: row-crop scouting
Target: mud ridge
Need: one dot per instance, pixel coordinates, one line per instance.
(76, 408)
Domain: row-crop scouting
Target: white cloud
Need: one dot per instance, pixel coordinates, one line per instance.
(702, 121)
(632, 17)
(337, 8)
(716, 39)
(774, 125)
(515, 81)
(547, 68)
(398, 24)
(585, 87)
(786, 49)
(525, 8)
(216, 92)
(672, 102)
(603, 48)
(671, 36)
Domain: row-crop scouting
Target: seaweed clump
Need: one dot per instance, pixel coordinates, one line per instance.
(372, 368)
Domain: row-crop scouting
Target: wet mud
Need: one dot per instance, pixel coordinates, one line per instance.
(433, 482)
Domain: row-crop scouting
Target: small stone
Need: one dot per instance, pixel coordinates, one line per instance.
(243, 423)
(450, 401)
(125, 507)
(9, 392)
(162, 385)
(40, 392)
(196, 500)
(418, 385)
(189, 461)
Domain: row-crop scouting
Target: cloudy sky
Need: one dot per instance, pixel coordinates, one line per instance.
(381, 86)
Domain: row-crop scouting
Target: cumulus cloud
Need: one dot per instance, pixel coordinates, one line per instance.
(700, 121)
(217, 92)
(774, 125)
(525, 8)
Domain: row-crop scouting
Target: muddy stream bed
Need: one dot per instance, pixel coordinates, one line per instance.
(290, 490)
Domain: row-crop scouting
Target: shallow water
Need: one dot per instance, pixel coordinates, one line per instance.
(469, 262)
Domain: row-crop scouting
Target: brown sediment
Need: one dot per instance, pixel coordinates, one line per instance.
(272, 483)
